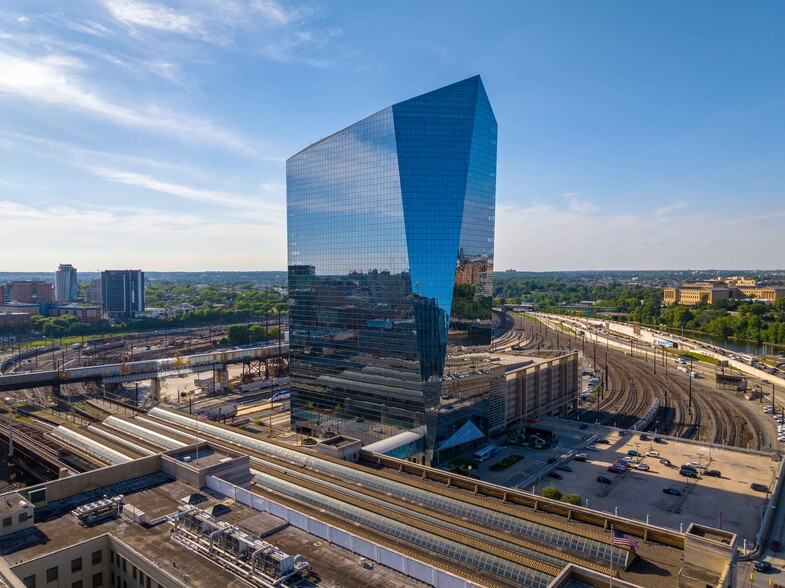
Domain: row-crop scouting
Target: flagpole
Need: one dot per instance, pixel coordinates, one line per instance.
(611, 558)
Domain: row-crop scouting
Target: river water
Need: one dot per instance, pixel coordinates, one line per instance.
(736, 346)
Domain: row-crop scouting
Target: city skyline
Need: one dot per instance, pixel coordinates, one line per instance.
(154, 135)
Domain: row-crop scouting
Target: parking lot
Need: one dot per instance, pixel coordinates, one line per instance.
(727, 501)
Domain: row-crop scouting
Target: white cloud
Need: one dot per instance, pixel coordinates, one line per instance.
(54, 79)
(91, 28)
(22, 20)
(187, 192)
(144, 14)
(667, 209)
(157, 239)
(546, 237)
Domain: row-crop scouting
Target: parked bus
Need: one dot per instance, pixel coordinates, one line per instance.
(485, 453)
(748, 359)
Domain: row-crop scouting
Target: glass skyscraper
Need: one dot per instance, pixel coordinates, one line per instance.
(390, 239)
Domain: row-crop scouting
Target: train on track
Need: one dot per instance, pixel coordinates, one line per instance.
(151, 366)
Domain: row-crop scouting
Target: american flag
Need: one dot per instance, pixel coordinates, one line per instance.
(620, 538)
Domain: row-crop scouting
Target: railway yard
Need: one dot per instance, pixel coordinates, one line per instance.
(634, 382)
(417, 511)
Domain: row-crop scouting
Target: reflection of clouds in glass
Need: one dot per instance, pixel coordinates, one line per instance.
(349, 183)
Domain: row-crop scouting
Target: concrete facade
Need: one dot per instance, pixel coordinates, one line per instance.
(542, 387)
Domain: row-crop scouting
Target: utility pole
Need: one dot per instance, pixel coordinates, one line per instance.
(689, 405)
(772, 398)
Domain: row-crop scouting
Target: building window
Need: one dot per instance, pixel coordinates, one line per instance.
(51, 574)
(98, 579)
(133, 572)
(22, 517)
(125, 564)
(76, 565)
(7, 521)
(29, 581)
(98, 557)
(77, 584)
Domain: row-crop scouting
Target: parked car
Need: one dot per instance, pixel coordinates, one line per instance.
(564, 467)
(580, 457)
(604, 480)
(643, 467)
(634, 453)
(584, 426)
(759, 487)
(762, 566)
(658, 440)
(688, 473)
(672, 491)
(592, 448)
(653, 454)
(713, 473)
(602, 441)
(616, 469)
(690, 467)
(553, 459)
(776, 546)
(622, 433)
(627, 458)
(695, 464)
(555, 475)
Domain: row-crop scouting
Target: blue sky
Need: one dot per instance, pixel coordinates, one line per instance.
(153, 134)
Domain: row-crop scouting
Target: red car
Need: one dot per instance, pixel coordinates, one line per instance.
(776, 546)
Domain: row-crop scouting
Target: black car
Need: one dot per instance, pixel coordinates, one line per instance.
(759, 487)
(644, 437)
(604, 480)
(713, 473)
(665, 461)
(762, 566)
(553, 459)
(688, 473)
(579, 458)
(584, 426)
(658, 439)
(602, 442)
(555, 475)
(672, 491)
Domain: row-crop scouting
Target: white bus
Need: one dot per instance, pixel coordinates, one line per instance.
(748, 359)
(485, 453)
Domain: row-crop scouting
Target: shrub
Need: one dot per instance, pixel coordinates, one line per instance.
(572, 499)
(551, 492)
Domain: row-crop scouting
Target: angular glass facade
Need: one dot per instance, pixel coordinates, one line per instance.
(390, 228)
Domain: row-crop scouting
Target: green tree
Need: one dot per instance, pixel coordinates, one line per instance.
(572, 499)
(239, 335)
(551, 492)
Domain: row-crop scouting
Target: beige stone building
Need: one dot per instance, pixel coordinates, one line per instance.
(713, 291)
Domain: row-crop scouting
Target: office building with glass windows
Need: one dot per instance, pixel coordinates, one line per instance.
(66, 289)
(390, 242)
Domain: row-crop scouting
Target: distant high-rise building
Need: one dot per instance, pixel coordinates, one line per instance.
(122, 292)
(93, 293)
(65, 283)
(390, 229)
(31, 291)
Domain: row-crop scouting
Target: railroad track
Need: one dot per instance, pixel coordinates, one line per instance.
(632, 386)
